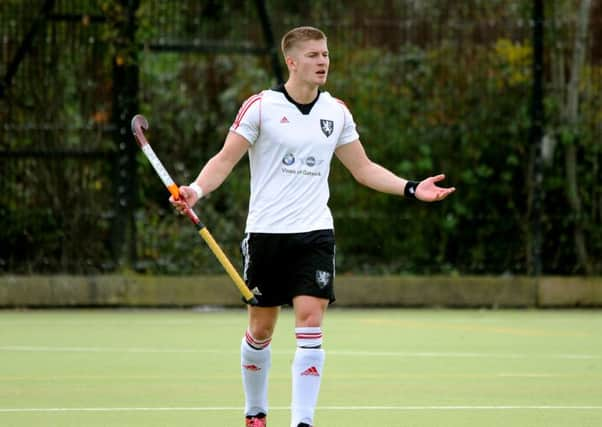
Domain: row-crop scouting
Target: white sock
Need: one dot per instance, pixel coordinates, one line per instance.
(255, 367)
(307, 376)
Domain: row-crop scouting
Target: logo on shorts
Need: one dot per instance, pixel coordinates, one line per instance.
(322, 278)
(327, 126)
(256, 291)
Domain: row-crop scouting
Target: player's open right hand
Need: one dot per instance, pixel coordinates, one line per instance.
(428, 190)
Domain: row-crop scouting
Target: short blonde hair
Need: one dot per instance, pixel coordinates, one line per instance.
(298, 35)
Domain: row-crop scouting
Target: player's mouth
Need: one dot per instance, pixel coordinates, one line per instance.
(321, 73)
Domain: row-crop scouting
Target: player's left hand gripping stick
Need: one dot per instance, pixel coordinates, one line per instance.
(138, 124)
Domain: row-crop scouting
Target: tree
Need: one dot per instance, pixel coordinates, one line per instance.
(568, 96)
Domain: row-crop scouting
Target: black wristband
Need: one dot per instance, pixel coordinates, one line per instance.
(410, 189)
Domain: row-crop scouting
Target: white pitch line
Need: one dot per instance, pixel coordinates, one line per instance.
(352, 353)
(43, 349)
(320, 408)
(463, 355)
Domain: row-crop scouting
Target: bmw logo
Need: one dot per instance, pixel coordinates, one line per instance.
(289, 159)
(310, 161)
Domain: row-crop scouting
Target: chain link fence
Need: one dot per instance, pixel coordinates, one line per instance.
(435, 86)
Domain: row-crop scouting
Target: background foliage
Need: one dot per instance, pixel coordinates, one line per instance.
(435, 86)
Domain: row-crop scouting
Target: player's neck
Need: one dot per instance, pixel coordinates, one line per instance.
(301, 93)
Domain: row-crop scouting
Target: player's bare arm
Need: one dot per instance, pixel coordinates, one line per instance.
(372, 175)
(214, 173)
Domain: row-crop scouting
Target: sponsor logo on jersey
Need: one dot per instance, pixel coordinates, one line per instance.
(310, 161)
(289, 159)
(284, 120)
(327, 127)
(306, 164)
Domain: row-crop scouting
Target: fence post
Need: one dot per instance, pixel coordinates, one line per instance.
(537, 126)
(272, 49)
(125, 105)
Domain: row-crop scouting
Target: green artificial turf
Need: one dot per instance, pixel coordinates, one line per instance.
(392, 367)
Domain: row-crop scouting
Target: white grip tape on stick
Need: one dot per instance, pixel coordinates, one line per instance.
(159, 168)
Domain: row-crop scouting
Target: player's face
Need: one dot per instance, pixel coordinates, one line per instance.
(311, 61)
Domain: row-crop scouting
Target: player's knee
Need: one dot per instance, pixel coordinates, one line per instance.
(261, 332)
(311, 319)
(309, 311)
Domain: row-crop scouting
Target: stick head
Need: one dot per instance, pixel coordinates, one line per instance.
(139, 123)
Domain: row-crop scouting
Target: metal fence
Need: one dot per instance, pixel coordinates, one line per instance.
(77, 197)
(57, 205)
(49, 209)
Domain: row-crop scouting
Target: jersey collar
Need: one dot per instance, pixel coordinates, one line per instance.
(304, 108)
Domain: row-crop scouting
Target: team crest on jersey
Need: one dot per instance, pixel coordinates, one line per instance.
(322, 278)
(327, 127)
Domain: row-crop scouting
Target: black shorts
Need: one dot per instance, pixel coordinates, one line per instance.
(279, 267)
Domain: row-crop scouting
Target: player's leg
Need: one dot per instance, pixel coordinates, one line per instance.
(261, 258)
(313, 291)
(308, 363)
(256, 359)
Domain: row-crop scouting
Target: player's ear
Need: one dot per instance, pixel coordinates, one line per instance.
(290, 62)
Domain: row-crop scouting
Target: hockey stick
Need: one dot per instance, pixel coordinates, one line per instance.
(138, 124)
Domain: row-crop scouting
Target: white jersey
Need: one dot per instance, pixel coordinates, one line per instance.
(290, 154)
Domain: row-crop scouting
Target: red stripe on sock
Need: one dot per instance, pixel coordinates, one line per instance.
(309, 336)
(255, 343)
